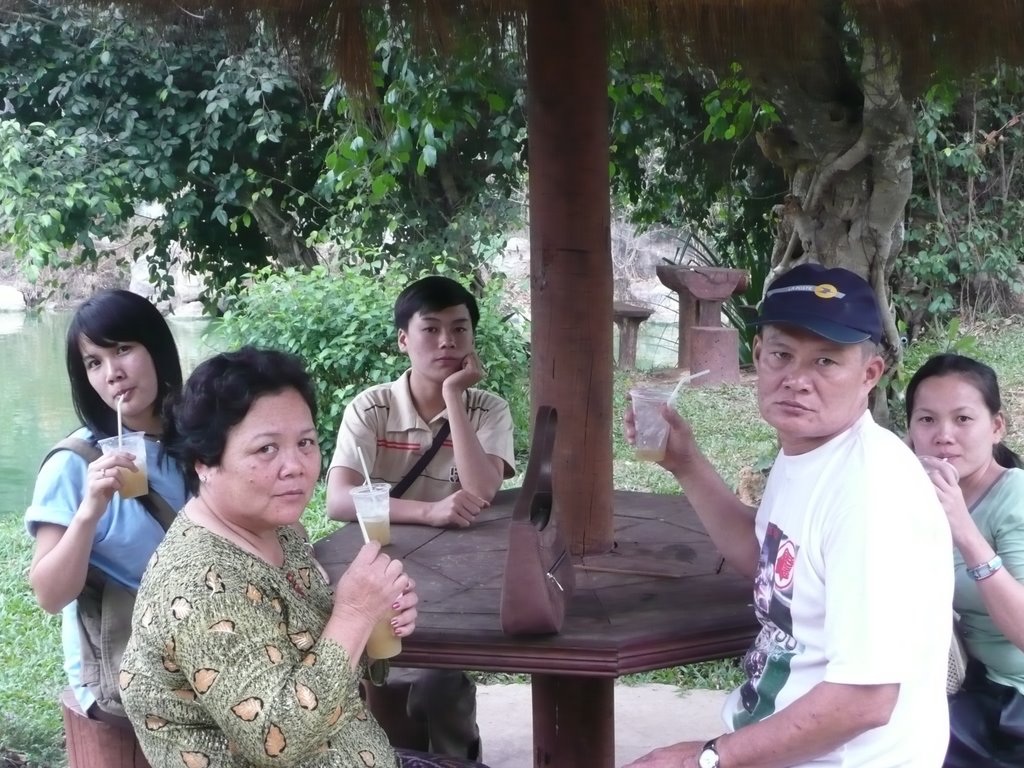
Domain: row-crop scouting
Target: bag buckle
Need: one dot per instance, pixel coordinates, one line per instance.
(554, 567)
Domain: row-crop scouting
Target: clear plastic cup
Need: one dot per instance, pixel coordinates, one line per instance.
(383, 643)
(133, 484)
(373, 508)
(651, 427)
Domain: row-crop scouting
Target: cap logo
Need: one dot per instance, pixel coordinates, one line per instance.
(822, 290)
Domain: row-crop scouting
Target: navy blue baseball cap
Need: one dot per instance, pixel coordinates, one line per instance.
(834, 303)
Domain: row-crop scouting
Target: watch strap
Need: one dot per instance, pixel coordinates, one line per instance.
(709, 755)
(983, 571)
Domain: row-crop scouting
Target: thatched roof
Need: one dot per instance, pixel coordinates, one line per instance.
(931, 35)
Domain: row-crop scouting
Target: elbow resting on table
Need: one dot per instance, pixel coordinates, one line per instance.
(340, 481)
(340, 513)
(485, 491)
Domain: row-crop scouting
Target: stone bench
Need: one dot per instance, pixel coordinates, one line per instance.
(628, 318)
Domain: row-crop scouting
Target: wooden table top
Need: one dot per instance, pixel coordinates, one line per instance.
(660, 599)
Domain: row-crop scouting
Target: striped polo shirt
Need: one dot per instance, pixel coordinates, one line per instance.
(383, 421)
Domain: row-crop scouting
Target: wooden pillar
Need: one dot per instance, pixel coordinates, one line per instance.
(565, 710)
(570, 256)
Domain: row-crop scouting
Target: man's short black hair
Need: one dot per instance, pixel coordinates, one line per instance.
(432, 294)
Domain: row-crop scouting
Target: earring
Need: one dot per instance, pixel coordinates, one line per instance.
(202, 479)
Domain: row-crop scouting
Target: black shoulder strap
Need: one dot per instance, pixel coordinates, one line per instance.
(154, 503)
(158, 507)
(403, 485)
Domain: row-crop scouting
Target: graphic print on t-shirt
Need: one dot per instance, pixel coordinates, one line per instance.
(767, 663)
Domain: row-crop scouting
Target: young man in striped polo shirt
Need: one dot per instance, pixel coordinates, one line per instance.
(393, 425)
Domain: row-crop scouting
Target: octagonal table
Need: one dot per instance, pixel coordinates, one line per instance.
(661, 598)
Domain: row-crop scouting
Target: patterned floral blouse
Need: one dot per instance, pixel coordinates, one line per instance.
(226, 666)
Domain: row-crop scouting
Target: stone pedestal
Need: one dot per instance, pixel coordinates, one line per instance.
(702, 291)
(715, 350)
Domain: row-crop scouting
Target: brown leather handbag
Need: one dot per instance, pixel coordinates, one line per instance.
(539, 577)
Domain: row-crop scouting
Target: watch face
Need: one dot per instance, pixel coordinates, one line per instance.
(708, 758)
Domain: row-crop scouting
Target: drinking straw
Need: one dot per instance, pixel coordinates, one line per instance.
(366, 476)
(119, 400)
(362, 460)
(362, 527)
(684, 380)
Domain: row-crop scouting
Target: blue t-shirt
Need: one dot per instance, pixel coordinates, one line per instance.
(126, 535)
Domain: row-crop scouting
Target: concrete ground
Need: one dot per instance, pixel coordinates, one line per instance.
(646, 717)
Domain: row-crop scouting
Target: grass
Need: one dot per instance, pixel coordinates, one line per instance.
(30, 657)
(726, 423)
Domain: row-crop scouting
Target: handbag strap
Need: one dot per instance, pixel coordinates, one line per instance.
(535, 498)
(403, 485)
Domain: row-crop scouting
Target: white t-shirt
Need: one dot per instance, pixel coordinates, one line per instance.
(854, 586)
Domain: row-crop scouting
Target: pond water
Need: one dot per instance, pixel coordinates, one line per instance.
(36, 412)
(35, 408)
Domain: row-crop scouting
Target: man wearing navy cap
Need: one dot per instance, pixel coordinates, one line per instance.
(849, 551)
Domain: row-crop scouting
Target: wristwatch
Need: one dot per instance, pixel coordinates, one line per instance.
(985, 570)
(709, 756)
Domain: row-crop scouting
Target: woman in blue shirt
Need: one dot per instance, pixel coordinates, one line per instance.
(118, 348)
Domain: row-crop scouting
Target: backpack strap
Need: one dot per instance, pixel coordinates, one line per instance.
(153, 502)
(87, 450)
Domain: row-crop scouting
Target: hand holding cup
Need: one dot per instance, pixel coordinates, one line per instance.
(133, 473)
(377, 587)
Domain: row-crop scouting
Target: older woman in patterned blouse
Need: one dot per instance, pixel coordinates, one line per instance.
(240, 654)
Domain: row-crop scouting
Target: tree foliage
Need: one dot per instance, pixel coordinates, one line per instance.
(431, 167)
(965, 234)
(108, 114)
(251, 165)
(685, 155)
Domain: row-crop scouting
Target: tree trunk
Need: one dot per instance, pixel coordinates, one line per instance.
(850, 169)
(290, 249)
(847, 150)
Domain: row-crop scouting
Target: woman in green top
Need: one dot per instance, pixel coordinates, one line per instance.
(956, 426)
(241, 655)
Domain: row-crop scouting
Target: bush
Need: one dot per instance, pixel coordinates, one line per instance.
(965, 225)
(342, 325)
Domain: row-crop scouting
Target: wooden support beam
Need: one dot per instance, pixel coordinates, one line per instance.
(570, 256)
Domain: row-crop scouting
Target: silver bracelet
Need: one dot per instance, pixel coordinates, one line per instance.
(983, 571)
